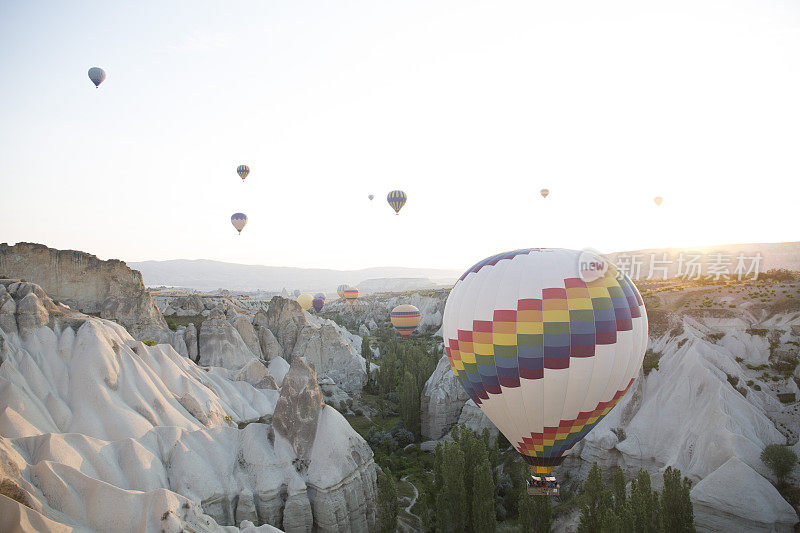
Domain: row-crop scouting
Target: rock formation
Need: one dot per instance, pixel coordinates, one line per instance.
(298, 408)
(101, 432)
(442, 399)
(108, 289)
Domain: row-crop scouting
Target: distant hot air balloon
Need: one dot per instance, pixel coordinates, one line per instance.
(658, 200)
(340, 289)
(350, 294)
(546, 342)
(544, 192)
(320, 295)
(396, 199)
(371, 196)
(305, 301)
(243, 171)
(318, 303)
(239, 221)
(405, 319)
(97, 75)
(296, 293)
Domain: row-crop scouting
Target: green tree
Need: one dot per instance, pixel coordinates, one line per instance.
(677, 514)
(388, 507)
(596, 498)
(483, 517)
(644, 504)
(451, 511)
(781, 460)
(620, 491)
(410, 404)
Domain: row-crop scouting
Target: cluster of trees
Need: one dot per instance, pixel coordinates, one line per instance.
(614, 510)
(474, 486)
(404, 369)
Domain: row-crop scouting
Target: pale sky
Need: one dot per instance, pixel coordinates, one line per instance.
(470, 107)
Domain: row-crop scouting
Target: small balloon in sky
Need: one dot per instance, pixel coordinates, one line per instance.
(97, 75)
(371, 196)
(239, 221)
(350, 294)
(396, 199)
(544, 192)
(658, 200)
(243, 171)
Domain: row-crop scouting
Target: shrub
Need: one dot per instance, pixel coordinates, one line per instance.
(650, 361)
(733, 380)
(786, 397)
(150, 343)
(781, 460)
(758, 331)
(739, 359)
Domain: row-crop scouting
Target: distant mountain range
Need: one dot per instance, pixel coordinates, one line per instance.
(203, 274)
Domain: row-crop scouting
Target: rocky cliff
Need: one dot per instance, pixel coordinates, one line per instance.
(108, 289)
(101, 432)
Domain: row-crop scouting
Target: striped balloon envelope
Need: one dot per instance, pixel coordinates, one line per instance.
(405, 319)
(243, 171)
(239, 221)
(546, 342)
(350, 294)
(396, 199)
(340, 289)
(318, 303)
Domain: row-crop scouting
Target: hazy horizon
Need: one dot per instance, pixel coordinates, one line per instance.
(471, 108)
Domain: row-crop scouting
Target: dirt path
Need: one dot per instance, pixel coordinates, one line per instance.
(408, 522)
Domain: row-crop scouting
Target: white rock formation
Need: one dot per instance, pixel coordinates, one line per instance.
(220, 344)
(734, 497)
(331, 349)
(104, 433)
(442, 400)
(472, 417)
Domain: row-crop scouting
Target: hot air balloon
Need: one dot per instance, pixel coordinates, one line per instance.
(350, 294)
(658, 200)
(239, 221)
(405, 319)
(544, 192)
(396, 199)
(243, 171)
(320, 295)
(340, 289)
(97, 75)
(371, 196)
(318, 303)
(305, 301)
(296, 293)
(546, 342)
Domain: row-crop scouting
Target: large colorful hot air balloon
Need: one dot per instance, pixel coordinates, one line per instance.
(318, 304)
(340, 289)
(239, 221)
(243, 171)
(658, 200)
(305, 301)
(405, 319)
(396, 199)
(544, 192)
(97, 75)
(296, 293)
(350, 294)
(546, 342)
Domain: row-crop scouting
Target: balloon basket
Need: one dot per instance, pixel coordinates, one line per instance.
(543, 486)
